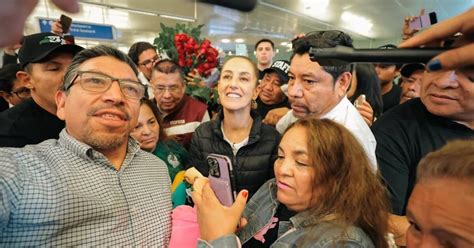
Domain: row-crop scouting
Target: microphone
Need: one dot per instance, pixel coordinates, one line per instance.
(400, 55)
(242, 5)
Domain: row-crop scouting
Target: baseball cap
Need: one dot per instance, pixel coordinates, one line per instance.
(408, 69)
(37, 47)
(281, 68)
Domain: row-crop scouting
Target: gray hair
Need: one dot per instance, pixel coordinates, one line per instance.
(454, 160)
(91, 53)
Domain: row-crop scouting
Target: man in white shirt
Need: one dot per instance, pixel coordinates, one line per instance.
(318, 88)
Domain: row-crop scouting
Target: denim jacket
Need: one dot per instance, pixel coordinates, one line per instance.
(301, 230)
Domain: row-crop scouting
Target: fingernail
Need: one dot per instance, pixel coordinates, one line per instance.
(434, 65)
(245, 194)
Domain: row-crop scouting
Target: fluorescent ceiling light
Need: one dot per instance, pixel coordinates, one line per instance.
(239, 40)
(179, 18)
(357, 23)
(225, 40)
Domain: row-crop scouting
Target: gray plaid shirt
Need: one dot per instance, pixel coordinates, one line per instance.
(64, 193)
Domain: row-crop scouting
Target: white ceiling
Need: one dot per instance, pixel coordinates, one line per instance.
(278, 20)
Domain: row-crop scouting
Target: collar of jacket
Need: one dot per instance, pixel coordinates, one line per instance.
(255, 131)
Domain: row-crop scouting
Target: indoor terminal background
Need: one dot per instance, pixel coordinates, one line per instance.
(120, 23)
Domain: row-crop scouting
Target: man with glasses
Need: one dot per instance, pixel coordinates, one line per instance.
(44, 58)
(12, 90)
(318, 88)
(93, 186)
(144, 55)
(181, 113)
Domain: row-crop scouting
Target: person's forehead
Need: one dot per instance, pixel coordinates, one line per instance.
(166, 78)
(264, 44)
(303, 64)
(110, 66)
(238, 65)
(147, 54)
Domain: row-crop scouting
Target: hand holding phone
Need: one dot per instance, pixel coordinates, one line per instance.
(423, 21)
(66, 22)
(221, 178)
(360, 100)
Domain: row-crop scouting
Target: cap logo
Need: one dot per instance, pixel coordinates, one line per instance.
(52, 39)
(282, 66)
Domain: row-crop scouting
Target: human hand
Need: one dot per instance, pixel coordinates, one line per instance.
(14, 13)
(274, 115)
(399, 226)
(57, 28)
(211, 213)
(406, 31)
(194, 78)
(366, 111)
(454, 58)
(11, 50)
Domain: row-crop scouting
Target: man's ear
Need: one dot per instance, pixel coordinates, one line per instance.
(24, 77)
(344, 81)
(60, 98)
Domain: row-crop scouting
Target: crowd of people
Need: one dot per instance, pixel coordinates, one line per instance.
(324, 153)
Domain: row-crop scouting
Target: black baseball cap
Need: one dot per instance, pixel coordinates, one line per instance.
(408, 69)
(281, 68)
(37, 47)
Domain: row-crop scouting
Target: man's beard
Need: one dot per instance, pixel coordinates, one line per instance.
(105, 142)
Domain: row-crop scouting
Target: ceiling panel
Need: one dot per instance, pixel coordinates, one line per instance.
(278, 20)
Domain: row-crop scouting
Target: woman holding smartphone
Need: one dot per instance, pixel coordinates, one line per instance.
(324, 194)
(237, 132)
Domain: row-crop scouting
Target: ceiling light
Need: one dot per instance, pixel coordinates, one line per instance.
(239, 40)
(179, 18)
(284, 43)
(357, 23)
(225, 40)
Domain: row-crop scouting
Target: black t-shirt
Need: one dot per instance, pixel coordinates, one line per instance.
(263, 108)
(391, 98)
(283, 214)
(404, 136)
(3, 105)
(27, 123)
(260, 75)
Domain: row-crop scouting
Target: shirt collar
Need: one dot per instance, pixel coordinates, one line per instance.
(85, 151)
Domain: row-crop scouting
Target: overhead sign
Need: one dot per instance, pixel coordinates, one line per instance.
(83, 30)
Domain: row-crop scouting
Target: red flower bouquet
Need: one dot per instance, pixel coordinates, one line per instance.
(183, 45)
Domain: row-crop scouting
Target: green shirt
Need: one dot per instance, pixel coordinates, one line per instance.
(173, 154)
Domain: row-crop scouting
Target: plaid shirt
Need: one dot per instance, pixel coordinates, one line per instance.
(64, 193)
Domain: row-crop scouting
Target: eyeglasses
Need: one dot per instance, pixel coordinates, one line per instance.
(99, 83)
(322, 39)
(159, 89)
(22, 92)
(149, 62)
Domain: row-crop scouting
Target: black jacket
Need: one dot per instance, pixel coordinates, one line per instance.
(253, 164)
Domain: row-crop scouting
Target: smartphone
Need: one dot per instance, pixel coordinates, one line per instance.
(423, 21)
(359, 100)
(221, 178)
(66, 22)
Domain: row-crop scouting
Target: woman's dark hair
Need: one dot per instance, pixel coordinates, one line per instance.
(368, 84)
(138, 48)
(157, 114)
(350, 192)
